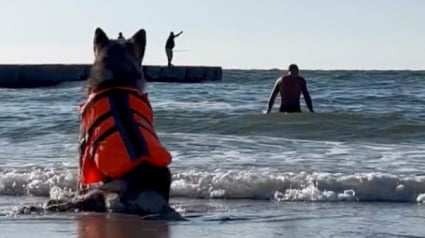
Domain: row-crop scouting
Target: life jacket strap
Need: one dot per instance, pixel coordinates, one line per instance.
(105, 93)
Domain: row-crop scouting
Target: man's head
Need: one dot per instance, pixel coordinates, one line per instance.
(120, 36)
(171, 33)
(293, 69)
(117, 62)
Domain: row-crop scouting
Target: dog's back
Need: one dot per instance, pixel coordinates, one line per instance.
(123, 120)
(145, 189)
(117, 62)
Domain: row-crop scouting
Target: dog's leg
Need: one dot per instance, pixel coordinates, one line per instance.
(118, 186)
(93, 201)
(151, 206)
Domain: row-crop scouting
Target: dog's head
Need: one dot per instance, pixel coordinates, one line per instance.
(117, 62)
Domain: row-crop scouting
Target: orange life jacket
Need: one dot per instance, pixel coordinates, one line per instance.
(117, 135)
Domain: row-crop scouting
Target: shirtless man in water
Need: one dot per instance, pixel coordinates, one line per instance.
(290, 88)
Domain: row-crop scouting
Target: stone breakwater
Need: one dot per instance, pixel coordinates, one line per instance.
(45, 75)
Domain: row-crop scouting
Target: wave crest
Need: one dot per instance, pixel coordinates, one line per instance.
(220, 184)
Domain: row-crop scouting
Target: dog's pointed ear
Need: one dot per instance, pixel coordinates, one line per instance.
(100, 39)
(139, 44)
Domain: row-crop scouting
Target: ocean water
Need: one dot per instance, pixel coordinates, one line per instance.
(353, 169)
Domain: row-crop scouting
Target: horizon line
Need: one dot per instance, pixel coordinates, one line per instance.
(333, 69)
(243, 68)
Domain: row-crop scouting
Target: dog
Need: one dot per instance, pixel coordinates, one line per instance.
(123, 166)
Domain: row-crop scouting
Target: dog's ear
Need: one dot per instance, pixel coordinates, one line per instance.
(139, 44)
(100, 40)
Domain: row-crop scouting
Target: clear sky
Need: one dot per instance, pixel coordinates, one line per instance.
(261, 34)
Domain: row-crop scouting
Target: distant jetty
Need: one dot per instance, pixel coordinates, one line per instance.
(45, 75)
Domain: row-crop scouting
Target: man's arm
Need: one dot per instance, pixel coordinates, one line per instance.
(306, 95)
(178, 34)
(273, 95)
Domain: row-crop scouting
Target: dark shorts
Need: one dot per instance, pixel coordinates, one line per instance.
(149, 177)
(290, 109)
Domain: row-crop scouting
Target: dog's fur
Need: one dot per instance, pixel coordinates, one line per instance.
(118, 64)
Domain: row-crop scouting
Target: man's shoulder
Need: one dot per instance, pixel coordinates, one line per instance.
(292, 77)
(279, 80)
(285, 78)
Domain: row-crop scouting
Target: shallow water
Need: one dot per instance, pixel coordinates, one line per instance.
(239, 219)
(277, 175)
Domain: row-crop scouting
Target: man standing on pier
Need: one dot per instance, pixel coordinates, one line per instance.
(120, 36)
(170, 45)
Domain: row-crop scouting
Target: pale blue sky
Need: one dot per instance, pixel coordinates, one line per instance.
(316, 34)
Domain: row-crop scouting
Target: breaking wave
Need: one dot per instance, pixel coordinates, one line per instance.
(250, 184)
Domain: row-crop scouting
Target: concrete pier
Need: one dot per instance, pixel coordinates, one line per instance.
(45, 75)
(182, 74)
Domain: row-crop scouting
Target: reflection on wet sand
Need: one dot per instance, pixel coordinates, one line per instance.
(119, 226)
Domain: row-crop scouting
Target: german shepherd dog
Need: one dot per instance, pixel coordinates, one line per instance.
(144, 190)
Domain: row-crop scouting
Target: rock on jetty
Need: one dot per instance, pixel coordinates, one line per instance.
(45, 75)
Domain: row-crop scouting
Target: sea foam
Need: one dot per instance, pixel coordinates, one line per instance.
(233, 184)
